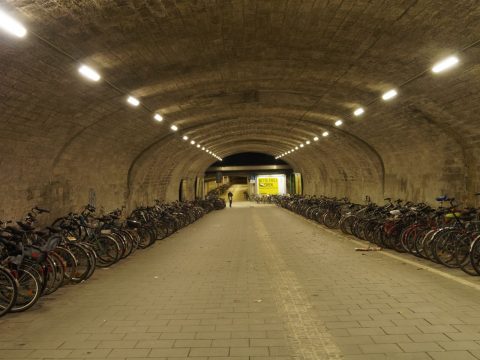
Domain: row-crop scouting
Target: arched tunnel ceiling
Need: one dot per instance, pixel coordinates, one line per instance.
(243, 76)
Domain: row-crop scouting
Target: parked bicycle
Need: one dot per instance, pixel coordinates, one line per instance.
(36, 261)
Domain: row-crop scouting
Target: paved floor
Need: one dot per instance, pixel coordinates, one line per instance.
(253, 282)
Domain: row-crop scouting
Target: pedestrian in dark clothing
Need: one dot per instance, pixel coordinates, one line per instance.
(230, 198)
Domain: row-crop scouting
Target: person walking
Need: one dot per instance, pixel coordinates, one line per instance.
(230, 198)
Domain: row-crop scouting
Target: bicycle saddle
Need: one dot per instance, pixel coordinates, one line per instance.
(53, 230)
(24, 226)
(133, 223)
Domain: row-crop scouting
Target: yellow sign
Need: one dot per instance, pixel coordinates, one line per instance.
(268, 186)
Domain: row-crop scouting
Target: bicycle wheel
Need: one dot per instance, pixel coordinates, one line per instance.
(475, 255)
(8, 291)
(92, 256)
(59, 265)
(107, 249)
(69, 262)
(128, 241)
(331, 219)
(28, 290)
(444, 248)
(346, 224)
(135, 238)
(462, 254)
(51, 275)
(83, 263)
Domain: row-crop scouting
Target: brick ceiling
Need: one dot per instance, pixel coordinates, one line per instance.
(243, 76)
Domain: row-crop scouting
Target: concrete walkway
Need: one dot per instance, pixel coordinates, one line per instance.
(253, 282)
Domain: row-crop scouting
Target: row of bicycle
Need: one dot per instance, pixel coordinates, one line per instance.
(445, 235)
(37, 261)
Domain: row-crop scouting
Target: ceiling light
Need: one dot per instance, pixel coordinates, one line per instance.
(203, 148)
(307, 142)
(192, 142)
(174, 127)
(445, 64)
(296, 147)
(390, 94)
(11, 25)
(158, 117)
(198, 145)
(301, 145)
(325, 134)
(89, 73)
(315, 138)
(338, 122)
(185, 137)
(133, 101)
(358, 112)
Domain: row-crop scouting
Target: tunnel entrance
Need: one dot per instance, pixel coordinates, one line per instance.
(251, 175)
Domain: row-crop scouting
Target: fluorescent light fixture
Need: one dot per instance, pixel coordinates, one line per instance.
(133, 101)
(338, 122)
(445, 64)
(358, 111)
(325, 134)
(185, 137)
(158, 117)
(315, 138)
(307, 142)
(9, 24)
(192, 142)
(301, 145)
(89, 73)
(174, 127)
(390, 94)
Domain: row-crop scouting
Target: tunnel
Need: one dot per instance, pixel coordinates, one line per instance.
(235, 77)
(131, 103)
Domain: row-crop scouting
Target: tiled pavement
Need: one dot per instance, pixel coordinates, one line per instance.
(253, 283)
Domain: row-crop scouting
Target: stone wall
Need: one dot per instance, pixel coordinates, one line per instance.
(236, 76)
